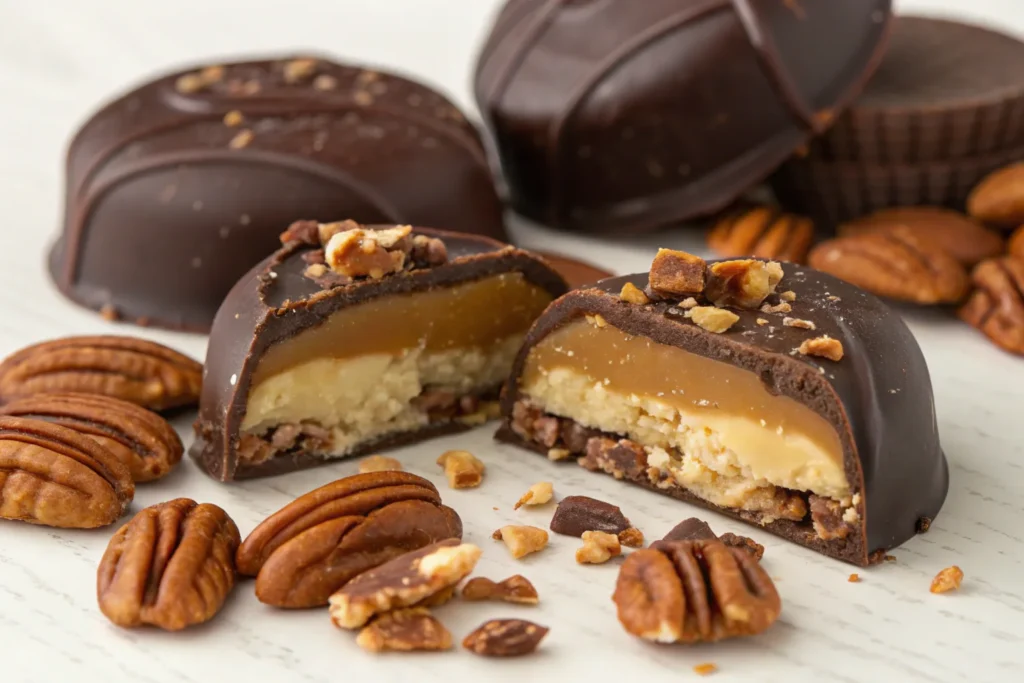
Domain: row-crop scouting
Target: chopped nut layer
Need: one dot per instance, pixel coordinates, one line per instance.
(742, 283)
(713, 319)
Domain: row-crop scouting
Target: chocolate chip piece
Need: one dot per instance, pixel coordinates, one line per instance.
(576, 514)
(691, 529)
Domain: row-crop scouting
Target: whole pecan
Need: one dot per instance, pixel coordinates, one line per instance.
(762, 232)
(134, 370)
(996, 307)
(55, 476)
(897, 264)
(172, 566)
(317, 543)
(694, 591)
(142, 440)
(999, 198)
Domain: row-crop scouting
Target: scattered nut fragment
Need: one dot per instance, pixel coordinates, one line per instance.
(761, 322)
(189, 83)
(516, 589)
(712, 319)
(462, 468)
(577, 514)
(358, 252)
(505, 638)
(405, 630)
(854, 578)
(948, 579)
(316, 270)
(379, 463)
(743, 283)
(557, 454)
(521, 540)
(788, 295)
(632, 294)
(688, 303)
(797, 322)
(233, 118)
(538, 494)
(299, 70)
(325, 82)
(781, 307)
(675, 273)
(705, 669)
(743, 543)
(242, 139)
(403, 582)
(824, 346)
(598, 548)
(632, 537)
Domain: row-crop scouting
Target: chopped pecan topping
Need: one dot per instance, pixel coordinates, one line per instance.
(428, 251)
(462, 468)
(516, 589)
(797, 322)
(829, 518)
(521, 540)
(948, 579)
(743, 283)
(307, 232)
(598, 547)
(634, 295)
(405, 630)
(233, 118)
(853, 578)
(577, 514)
(716, 320)
(677, 273)
(824, 347)
(538, 494)
(782, 307)
(367, 253)
(379, 463)
(505, 638)
(622, 458)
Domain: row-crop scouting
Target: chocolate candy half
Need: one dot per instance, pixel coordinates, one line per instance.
(179, 187)
(841, 456)
(349, 340)
(614, 115)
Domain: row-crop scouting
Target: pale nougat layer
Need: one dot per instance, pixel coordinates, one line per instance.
(711, 426)
(368, 396)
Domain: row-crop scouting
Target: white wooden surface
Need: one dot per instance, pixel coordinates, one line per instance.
(60, 58)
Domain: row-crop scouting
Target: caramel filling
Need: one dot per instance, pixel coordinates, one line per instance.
(711, 426)
(359, 373)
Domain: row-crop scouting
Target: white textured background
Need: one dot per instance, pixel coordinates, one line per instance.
(60, 58)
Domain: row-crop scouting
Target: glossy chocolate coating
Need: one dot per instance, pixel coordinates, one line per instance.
(164, 212)
(275, 301)
(878, 397)
(613, 115)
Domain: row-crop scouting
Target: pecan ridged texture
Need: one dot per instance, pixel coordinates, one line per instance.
(142, 440)
(694, 591)
(996, 307)
(762, 232)
(134, 370)
(897, 264)
(55, 476)
(313, 546)
(172, 566)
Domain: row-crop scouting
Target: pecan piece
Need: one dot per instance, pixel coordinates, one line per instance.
(134, 370)
(142, 440)
(996, 307)
(999, 198)
(676, 273)
(598, 547)
(357, 495)
(694, 591)
(716, 320)
(403, 582)
(172, 566)
(405, 630)
(576, 514)
(55, 476)
(744, 283)
(463, 469)
(762, 232)
(516, 589)
(949, 579)
(538, 494)
(521, 540)
(505, 638)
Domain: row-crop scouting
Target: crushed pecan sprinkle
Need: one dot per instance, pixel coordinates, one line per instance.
(325, 82)
(505, 638)
(797, 322)
(824, 347)
(632, 537)
(854, 578)
(782, 307)
(405, 630)
(712, 319)
(634, 295)
(705, 669)
(538, 494)
(949, 579)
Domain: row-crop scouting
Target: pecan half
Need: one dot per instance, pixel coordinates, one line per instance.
(134, 370)
(996, 307)
(999, 197)
(403, 582)
(897, 264)
(516, 589)
(505, 638)
(762, 232)
(55, 476)
(694, 591)
(405, 630)
(142, 440)
(172, 566)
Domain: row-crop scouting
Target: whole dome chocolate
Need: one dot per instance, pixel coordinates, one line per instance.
(621, 115)
(179, 187)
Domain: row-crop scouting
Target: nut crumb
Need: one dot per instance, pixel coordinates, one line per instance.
(634, 295)
(598, 547)
(462, 468)
(632, 537)
(762, 321)
(299, 70)
(316, 270)
(233, 118)
(889, 558)
(834, 298)
(538, 494)
(744, 283)
(405, 630)
(505, 638)
(788, 295)
(705, 669)
(777, 308)
(824, 347)
(357, 252)
(109, 313)
(362, 98)
(688, 303)
(854, 578)
(597, 320)
(189, 83)
(379, 463)
(557, 454)
(325, 82)
(712, 319)
(949, 579)
(241, 140)
(521, 540)
(797, 322)
(515, 589)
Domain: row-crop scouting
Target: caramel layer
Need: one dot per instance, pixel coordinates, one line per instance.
(470, 315)
(666, 397)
